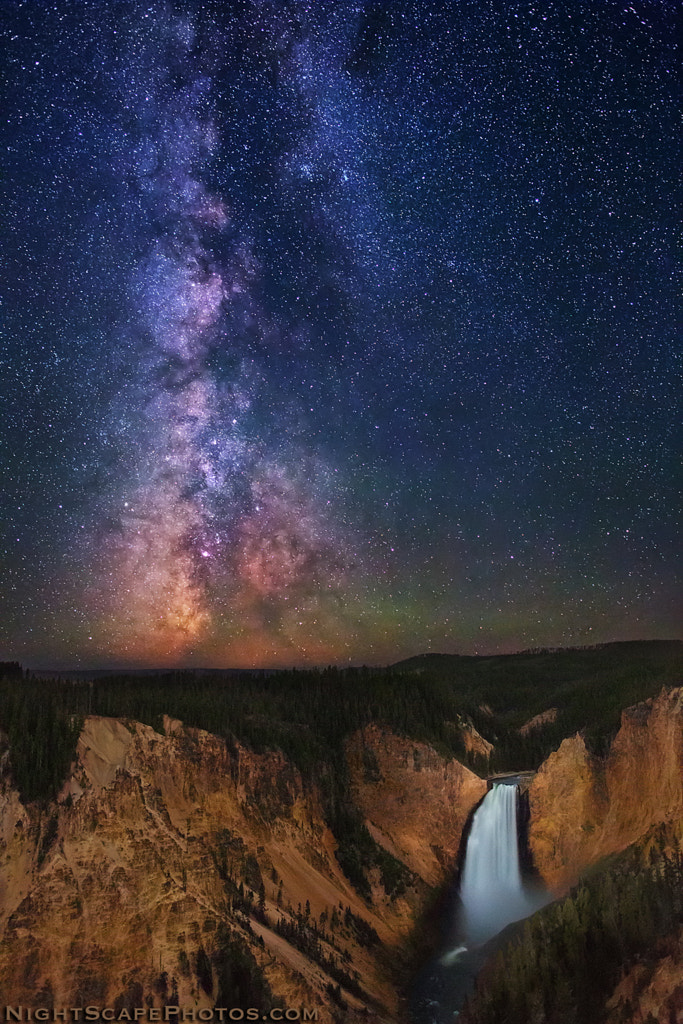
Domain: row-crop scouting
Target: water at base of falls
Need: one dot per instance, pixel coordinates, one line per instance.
(492, 894)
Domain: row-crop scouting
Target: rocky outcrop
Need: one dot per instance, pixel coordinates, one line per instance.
(18, 842)
(475, 742)
(651, 991)
(166, 849)
(583, 808)
(415, 802)
(538, 721)
(154, 836)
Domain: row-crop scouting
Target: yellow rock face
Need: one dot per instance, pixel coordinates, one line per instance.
(545, 718)
(583, 808)
(475, 743)
(652, 990)
(112, 892)
(415, 802)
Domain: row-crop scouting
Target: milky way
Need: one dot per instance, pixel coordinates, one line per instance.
(337, 331)
(214, 519)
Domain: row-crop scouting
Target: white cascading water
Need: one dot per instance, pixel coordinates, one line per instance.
(492, 896)
(491, 887)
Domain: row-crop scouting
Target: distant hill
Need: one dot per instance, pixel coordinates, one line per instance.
(549, 656)
(589, 687)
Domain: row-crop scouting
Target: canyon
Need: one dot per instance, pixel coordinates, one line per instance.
(119, 888)
(175, 867)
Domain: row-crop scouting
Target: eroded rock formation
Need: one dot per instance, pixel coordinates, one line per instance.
(651, 991)
(415, 802)
(545, 718)
(583, 808)
(162, 844)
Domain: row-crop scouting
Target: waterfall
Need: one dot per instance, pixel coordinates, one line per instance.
(491, 896)
(491, 887)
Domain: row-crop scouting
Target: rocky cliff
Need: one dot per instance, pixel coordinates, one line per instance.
(651, 992)
(583, 808)
(176, 869)
(414, 802)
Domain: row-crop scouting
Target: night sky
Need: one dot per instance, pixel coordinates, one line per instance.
(337, 332)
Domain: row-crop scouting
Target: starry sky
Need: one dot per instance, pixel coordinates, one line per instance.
(336, 332)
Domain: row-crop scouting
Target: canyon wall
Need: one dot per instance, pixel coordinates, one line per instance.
(583, 808)
(651, 991)
(170, 854)
(415, 802)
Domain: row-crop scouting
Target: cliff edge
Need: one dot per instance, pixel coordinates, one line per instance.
(583, 808)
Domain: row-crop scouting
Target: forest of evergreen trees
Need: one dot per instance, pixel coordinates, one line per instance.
(307, 714)
(42, 734)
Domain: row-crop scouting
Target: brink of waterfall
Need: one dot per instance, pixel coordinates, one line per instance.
(492, 891)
